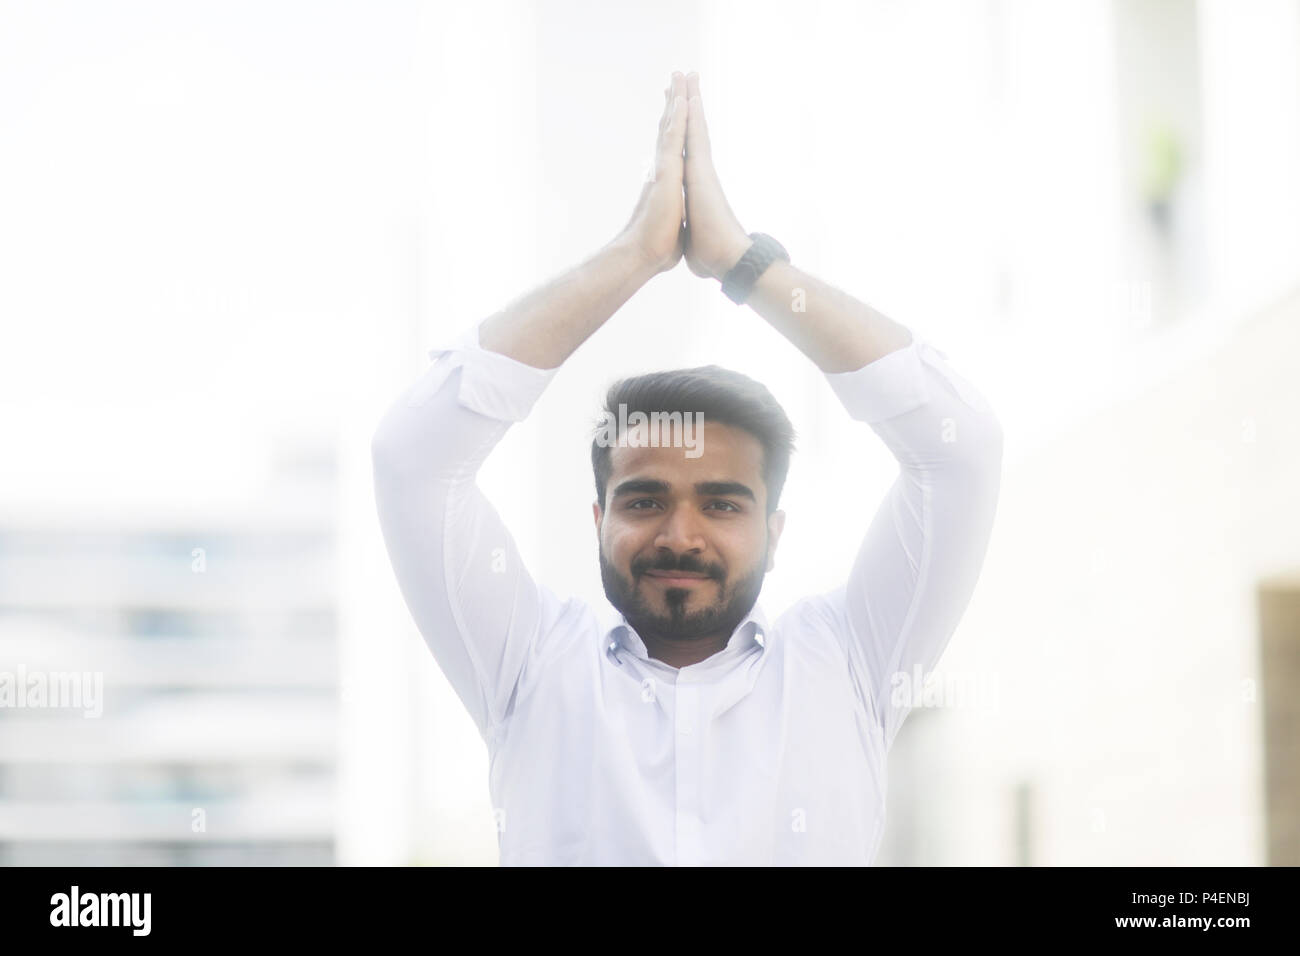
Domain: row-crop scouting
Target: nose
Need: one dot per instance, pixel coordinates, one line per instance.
(680, 531)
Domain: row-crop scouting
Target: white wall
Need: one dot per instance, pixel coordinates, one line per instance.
(1118, 607)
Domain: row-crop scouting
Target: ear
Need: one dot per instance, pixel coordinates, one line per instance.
(595, 513)
(775, 525)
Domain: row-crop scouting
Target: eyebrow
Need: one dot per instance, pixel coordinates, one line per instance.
(652, 486)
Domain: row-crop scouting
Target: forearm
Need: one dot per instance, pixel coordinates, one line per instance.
(835, 330)
(546, 326)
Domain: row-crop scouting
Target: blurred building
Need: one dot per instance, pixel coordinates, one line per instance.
(206, 649)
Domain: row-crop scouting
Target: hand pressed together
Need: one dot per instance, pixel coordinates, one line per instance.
(682, 211)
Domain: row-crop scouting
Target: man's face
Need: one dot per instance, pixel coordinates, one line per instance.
(685, 542)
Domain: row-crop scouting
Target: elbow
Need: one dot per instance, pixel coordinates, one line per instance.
(384, 447)
(379, 445)
(382, 466)
(378, 455)
(405, 448)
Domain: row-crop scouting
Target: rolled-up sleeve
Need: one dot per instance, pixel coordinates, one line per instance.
(492, 384)
(920, 558)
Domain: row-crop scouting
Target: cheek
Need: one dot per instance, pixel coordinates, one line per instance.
(741, 546)
(621, 539)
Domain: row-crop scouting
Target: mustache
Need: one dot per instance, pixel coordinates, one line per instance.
(668, 562)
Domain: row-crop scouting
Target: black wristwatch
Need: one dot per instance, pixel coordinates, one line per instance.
(740, 278)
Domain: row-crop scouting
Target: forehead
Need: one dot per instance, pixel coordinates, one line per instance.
(723, 452)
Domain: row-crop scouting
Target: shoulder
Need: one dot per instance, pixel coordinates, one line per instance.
(812, 627)
(568, 623)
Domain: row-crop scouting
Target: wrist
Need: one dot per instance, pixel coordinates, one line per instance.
(634, 258)
(736, 247)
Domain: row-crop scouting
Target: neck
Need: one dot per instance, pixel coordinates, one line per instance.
(679, 653)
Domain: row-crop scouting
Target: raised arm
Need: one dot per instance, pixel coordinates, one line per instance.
(546, 326)
(479, 610)
(920, 558)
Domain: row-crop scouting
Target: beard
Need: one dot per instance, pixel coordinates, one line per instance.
(677, 623)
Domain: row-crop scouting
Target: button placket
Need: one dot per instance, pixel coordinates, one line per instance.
(688, 824)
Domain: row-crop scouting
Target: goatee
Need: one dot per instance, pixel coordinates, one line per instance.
(724, 615)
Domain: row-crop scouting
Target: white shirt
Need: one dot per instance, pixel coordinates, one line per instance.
(772, 751)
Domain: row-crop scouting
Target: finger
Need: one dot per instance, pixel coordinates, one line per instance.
(680, 88)
(697, 128)
(672, 134)
(679, 85)
(672, 127)
(676, 87)
(671, 140)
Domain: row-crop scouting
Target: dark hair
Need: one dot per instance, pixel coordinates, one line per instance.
(720, 395)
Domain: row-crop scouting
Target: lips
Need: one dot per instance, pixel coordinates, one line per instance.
(677, 577)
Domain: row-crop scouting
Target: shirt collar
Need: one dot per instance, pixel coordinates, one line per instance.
(752, 631)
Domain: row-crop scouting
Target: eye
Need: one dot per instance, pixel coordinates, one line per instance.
(632, 505)
(727, 503)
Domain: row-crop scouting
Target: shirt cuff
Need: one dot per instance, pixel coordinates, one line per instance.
(491, 384)
(897, 383)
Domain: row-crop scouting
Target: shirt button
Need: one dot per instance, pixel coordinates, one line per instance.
(684, 729)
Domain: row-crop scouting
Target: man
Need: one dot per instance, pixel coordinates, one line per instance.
(677, 726)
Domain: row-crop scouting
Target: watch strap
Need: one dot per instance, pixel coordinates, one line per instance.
(740, 278)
